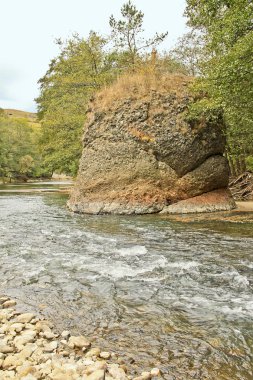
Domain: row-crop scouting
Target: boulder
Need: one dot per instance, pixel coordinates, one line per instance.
(142, 154)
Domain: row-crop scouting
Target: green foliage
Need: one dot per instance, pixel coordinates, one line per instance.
(127, 34)
(224, 21)
(206, 111)
(81, 68)
(227, 27)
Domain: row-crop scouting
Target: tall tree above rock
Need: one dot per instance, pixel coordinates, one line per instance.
(127, 34)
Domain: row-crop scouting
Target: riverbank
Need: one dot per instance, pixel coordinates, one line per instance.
(60, 186)
(31, 349)
(243, 213)
(245, 206)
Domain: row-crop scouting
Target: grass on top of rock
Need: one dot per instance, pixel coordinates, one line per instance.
(140, 84)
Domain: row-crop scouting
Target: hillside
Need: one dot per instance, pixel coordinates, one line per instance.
(31, 116)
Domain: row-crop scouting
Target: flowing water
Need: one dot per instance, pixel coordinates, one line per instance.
(158, 292)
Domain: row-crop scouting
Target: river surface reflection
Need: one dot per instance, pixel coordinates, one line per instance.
(158, 292)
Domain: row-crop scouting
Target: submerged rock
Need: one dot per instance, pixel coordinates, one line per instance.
(141, 154)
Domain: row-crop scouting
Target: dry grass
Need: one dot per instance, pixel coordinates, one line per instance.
(141, 85)
(141, 135)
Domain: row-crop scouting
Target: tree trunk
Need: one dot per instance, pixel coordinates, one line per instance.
(231, 166)
(242, 163)
(237, 166)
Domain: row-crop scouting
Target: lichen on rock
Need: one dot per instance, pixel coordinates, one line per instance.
(141, 153)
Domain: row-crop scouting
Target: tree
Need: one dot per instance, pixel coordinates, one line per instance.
(79, 70)
(127, 34)
(227, 75)
(190, 52)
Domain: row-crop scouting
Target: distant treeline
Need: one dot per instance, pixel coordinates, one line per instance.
(20, 156)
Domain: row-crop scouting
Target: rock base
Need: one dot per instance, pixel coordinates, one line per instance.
(98, 208)
(217, 200)
(213, 201)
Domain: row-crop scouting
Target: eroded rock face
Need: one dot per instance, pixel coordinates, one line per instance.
(141, 155)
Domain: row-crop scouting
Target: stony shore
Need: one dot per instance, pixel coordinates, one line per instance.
(30, 349)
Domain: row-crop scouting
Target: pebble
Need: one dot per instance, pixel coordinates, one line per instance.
(25, 353)
(20, 341)
(79, 342)
(6, 349)
(5, 314)
(116, 372)
(144, 376)
(95, 351)
(97, 375)
(3, 300)
(50, 347)
(3, 329)
(105, 355)
(48, 335)
(10, 303)
(6, 375)
(24, 318)
(65, 334)
(17, 327)
(42, 326)
(88, 361)
(95, 367)
(29, 377)
(155, 372)
(12, 360)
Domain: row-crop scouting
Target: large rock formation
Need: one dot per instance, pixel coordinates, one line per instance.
(141, 155)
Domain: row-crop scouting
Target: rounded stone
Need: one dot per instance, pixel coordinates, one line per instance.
(24, 318)
(155, 372)
(9, 303)
(105, 355)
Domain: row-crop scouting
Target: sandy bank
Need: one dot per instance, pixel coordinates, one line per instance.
(245, 206)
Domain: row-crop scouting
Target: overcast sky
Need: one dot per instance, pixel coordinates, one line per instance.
(28, 29)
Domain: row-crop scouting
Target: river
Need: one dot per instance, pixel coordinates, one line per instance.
(157, 291)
